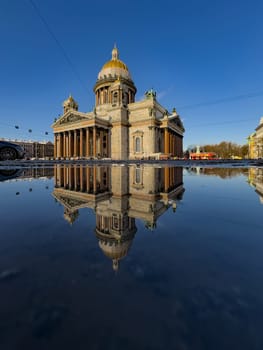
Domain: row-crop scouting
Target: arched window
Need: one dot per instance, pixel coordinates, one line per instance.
(137, 144)
(115, 222)
(137, 175)
(125, 98)
(115, 97)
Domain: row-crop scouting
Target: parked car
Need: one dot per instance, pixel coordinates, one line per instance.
(11, 151)
(9, 174)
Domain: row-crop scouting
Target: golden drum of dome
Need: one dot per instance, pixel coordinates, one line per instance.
(115, 64)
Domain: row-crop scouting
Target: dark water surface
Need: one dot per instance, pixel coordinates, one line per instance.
(136, 257)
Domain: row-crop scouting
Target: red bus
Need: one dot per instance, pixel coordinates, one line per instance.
(203, 155)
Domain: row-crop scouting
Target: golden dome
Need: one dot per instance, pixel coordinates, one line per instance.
(116, 250)
(115, 64)
(115, 67)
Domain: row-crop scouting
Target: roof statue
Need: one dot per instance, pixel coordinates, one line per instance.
(174, 111)
(150, 94)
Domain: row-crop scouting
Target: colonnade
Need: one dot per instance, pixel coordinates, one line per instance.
(104, 95)
(173, 177)
(172, 143)
(97, 179)
(82, 179)
(120, 223)
(84, 142)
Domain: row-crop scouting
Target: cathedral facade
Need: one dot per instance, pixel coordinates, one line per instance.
(119, 127)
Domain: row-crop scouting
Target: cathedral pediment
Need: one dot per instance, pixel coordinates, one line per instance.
(70, 118)
(176, 121)
(70, 203)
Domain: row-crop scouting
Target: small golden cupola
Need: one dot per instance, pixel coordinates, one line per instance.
(70, 104)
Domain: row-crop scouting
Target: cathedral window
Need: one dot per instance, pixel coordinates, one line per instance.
(115, 97)
(115, 222)
(137, 175)
(125, 98)
(138, 144)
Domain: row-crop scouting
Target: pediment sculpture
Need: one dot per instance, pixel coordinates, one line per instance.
(71, 118)
(70, 202)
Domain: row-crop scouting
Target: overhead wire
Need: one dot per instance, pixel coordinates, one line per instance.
(25, 131)
(224, 122)
(190, 106)
(68, 60)
(63, 51)
(41, 133)
(222, 100)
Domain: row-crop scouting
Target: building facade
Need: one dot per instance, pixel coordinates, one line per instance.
(255, 179)
(255, 142)
(118, 127)
(35, 149)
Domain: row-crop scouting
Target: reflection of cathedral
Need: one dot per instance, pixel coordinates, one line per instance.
(118, 127)
(256, 180)
(118, 195)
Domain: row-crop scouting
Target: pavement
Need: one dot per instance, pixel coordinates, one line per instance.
(174, 163)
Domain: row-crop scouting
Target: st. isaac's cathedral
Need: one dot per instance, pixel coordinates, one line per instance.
(118, 127)
(119, 196)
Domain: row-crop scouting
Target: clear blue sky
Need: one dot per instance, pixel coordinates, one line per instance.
(203, 57)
